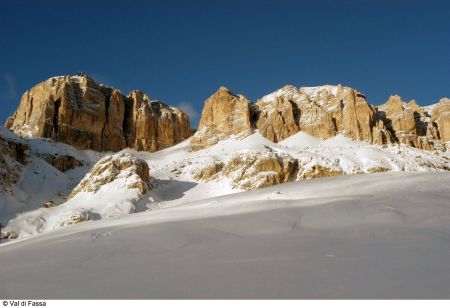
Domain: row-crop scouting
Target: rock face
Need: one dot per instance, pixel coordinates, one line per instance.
(13, 156)
(224, 114)
(78, 111)
(62, 162)
(441, 116)
(323, 112)
(408, 123)
(252, 170)
(152, 125)
(133, 172)
(319, 111)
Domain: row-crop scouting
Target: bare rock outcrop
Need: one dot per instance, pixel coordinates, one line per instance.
(225, 114)
(324, 112)
(278, 117)
(152, 125)
(132, 172)
(413, 125)
(441, 116)
(319, 111)
(318, 171)
(252, 170)
(62, 162)
(78, 111)
(13, 156)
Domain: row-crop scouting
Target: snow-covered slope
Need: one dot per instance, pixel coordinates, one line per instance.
(379, 235)
(112, 188)
(181, 176)
(39, 181)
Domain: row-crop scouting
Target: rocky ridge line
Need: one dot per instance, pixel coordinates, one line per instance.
(323, 112)
(78, 111)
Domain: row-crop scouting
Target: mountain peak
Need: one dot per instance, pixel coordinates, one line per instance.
(78, 111)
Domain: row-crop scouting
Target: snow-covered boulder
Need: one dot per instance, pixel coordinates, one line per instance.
(129, 172)
(112, 188)
(251, 169)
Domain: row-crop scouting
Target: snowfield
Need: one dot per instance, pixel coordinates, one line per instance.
(174, 183)
(383, 235)
(359, 235)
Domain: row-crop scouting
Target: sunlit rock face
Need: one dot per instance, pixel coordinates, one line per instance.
(225, 114)
(13, 156)
(78, 111)
(323, 112)
(132, 171)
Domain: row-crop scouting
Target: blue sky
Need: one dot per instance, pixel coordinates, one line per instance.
(182, 51)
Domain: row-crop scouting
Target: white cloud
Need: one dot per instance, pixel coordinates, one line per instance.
(193, 113)
(10, 85)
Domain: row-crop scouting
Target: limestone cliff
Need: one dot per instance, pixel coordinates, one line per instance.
(324, 112)
(78, 111)
(13, 156)
(224, 114)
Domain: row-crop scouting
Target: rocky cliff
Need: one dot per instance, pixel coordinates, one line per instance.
(13, 156)
(78, 111)
(324, 112)
(225, 114)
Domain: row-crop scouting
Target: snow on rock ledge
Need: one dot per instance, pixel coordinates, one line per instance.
(130, 171)
(248, 165)
(112, 188)
(251, 169)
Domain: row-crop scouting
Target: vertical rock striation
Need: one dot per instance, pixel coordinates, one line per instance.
(324, 112)
(225, 114)
(78, 111)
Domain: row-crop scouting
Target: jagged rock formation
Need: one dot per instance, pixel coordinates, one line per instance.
(62, 162)
(134, 173)
(252, 170)
(318, 171)
(224, 114)
(323, 112)
(441, 116)
(256, 169)
(78, 111)
(13, 156)
(75, 218)
(320, 111)
(152, 125)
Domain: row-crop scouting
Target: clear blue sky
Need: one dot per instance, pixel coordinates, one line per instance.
(182, 51)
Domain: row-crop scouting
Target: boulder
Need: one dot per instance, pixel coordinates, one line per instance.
(131, 171)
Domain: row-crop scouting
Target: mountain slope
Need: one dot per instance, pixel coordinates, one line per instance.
(323, 112)
(230, 166)
(313, 239)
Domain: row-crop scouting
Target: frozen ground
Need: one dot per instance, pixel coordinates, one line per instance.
(172, 170)
(384, 235)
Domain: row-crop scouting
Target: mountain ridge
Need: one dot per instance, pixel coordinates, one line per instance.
(78, 111)
(324, 111)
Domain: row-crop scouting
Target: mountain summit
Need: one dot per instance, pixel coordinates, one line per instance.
(78, 111)
(324, 112)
